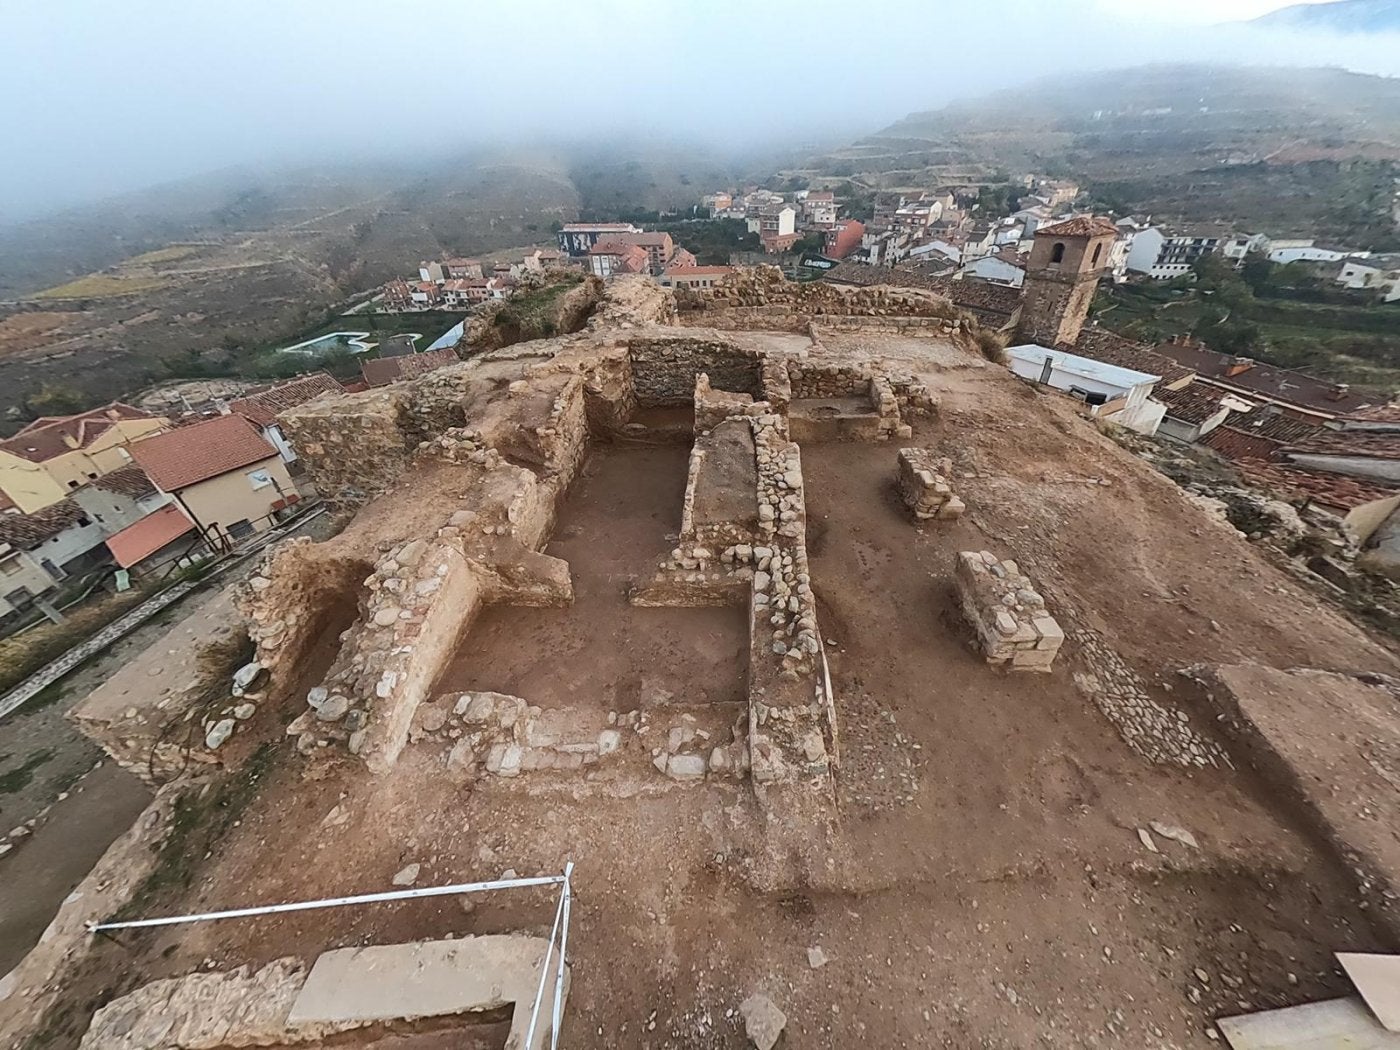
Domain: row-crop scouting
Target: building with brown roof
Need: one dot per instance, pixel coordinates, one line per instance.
(694, 276)
(610, 257)
(385, 370)
(54, 455)
(1296, 393)
(1193, 411)
(262, 407)
(225, 475)
(156, 540)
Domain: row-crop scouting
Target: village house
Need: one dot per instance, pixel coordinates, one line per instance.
(1192, 411)
(159, 542)
(227, 478)
(1286, 251)
(694, 277)
(54, 455)
(1299, 395)
(577, 238)
(1376, 273)
(819, 208)
(1162, 254)
(1118, 395)
(1053, 193)
(262, 407)
(772, 221)
(1006, 267)
(62, 539)
(714, 203)
(843, 238)
(397, 295)
(610, 257)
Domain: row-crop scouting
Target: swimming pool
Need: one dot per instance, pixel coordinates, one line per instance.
(354, 342)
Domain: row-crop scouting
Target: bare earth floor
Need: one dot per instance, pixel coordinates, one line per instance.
(985, 884)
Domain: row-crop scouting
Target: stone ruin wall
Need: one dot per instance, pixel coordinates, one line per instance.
(761, 297)
(791, 714)
(664, 368)
(924, 486)
(1008, 614)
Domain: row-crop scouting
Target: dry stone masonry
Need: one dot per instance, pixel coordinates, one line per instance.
(509, 431)
(924, 486)
(1008, 614)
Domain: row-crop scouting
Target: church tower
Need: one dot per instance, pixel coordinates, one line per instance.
(1066, 262)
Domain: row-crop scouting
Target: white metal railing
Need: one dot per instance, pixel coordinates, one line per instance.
(558, 934)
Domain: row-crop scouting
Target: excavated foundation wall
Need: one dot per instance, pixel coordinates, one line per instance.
(664, 369)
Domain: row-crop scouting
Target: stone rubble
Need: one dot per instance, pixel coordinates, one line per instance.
(1153, 730)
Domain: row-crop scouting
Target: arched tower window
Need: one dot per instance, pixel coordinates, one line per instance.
(1057, 254)
(1098, 250)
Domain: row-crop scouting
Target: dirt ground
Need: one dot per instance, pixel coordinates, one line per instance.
(984, 883)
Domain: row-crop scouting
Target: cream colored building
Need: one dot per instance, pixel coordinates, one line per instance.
(54, 455)
(225, 475)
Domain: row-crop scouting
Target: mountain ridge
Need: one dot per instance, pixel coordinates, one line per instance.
(1338, 16)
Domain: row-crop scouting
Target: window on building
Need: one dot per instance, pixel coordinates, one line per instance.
(1098, 250)
(1057, 254)
(84, 521)
(10, 565)
(259, 479)
(239, 529)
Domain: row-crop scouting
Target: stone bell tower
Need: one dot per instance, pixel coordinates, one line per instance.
(1064, 269)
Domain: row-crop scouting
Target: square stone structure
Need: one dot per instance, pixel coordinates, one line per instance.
(924, 486)
(1008, 614)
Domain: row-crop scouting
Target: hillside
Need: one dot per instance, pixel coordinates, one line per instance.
(1340, 16)
(1308, 151)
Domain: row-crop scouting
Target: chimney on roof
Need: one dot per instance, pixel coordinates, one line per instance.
(1239, 365)
(112, 414)
(222, 406)
(1339, 392)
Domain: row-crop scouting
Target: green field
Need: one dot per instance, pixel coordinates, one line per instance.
(1346, 339)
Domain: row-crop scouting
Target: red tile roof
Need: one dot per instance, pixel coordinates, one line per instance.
(1111, 348)
(143, 538)
(1389, 413)
(1331, 490)
(27, 531)
(180, 458)
(264, 406)
(1191, 404)
(1080, 226)
(385, 370)
(1365, 444)
(1279, 384)
(129, 480)
(49, 436)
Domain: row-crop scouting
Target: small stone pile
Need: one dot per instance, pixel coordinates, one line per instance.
(924, 486)
(461, 445)
(1008, 614)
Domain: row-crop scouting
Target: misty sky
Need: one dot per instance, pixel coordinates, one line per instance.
(99, 97)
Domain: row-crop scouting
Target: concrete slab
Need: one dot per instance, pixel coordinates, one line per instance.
(1335, 1024)
(1377, 978)
(430, 979)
